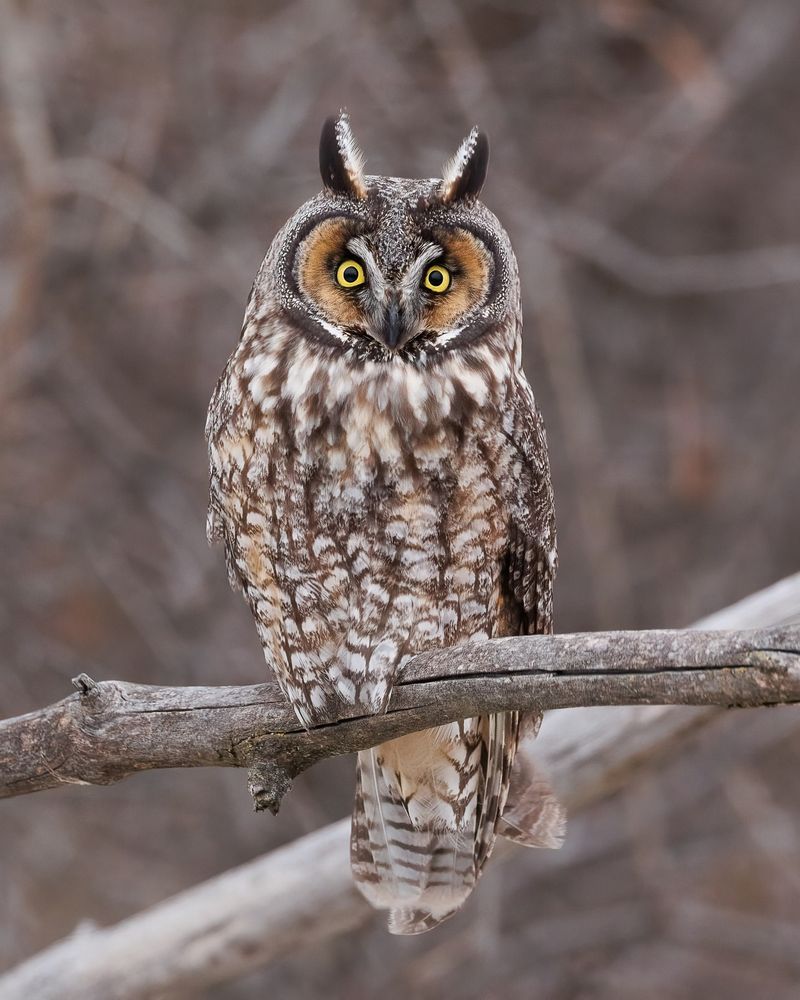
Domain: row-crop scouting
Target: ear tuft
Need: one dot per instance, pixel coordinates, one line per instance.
(463, 175)
(341, 162)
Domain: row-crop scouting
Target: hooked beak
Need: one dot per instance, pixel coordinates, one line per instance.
(393, 326)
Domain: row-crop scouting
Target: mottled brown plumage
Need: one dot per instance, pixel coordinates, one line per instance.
(379, 475)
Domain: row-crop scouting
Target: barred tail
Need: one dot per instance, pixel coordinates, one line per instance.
(426, 816)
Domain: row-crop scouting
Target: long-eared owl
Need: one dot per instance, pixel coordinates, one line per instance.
(379, 475)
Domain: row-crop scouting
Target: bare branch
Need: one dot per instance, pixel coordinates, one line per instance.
(303, 894)
(113, 729)
(304, 885)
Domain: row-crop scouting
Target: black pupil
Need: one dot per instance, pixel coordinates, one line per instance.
(435, 278)
(350, 274)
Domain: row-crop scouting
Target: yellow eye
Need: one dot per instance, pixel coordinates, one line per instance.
(437, 278)
(350, 274)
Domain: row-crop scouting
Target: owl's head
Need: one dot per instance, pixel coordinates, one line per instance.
(393, 269)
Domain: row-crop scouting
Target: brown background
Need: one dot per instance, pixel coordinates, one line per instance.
(149, 152)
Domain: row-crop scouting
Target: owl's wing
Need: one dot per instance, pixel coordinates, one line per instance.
(532, 815)
(531, 561)
(229, 449)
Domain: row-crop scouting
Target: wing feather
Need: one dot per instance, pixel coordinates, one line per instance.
(532, 815)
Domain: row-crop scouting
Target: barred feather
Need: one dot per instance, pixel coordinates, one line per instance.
(425, 818)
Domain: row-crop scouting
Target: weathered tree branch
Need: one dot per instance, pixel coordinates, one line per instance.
(302, 894)
(112, 729)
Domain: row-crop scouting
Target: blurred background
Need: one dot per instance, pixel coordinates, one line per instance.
(645, 160)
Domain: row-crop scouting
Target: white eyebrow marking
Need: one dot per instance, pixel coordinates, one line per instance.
(358, 246)
(411, 278)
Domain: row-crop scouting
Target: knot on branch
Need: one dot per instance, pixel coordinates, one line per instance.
(96, 703)
(84, 684)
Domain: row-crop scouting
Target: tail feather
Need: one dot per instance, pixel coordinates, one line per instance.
(425, 819)
(429, 808)
(397, 865)
(408, 921)
(500, 746)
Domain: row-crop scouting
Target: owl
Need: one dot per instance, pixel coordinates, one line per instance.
(380, 479)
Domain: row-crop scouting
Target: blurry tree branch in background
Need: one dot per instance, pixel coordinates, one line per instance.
(44, 176)
(302, 894)
(754, 41)
(128, 196)
(656, 274)
(32, 146)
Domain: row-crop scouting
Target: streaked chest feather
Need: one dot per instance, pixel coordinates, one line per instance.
(366, 513)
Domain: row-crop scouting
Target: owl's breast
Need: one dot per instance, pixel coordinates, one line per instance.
(409, 553)
(365, 533)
